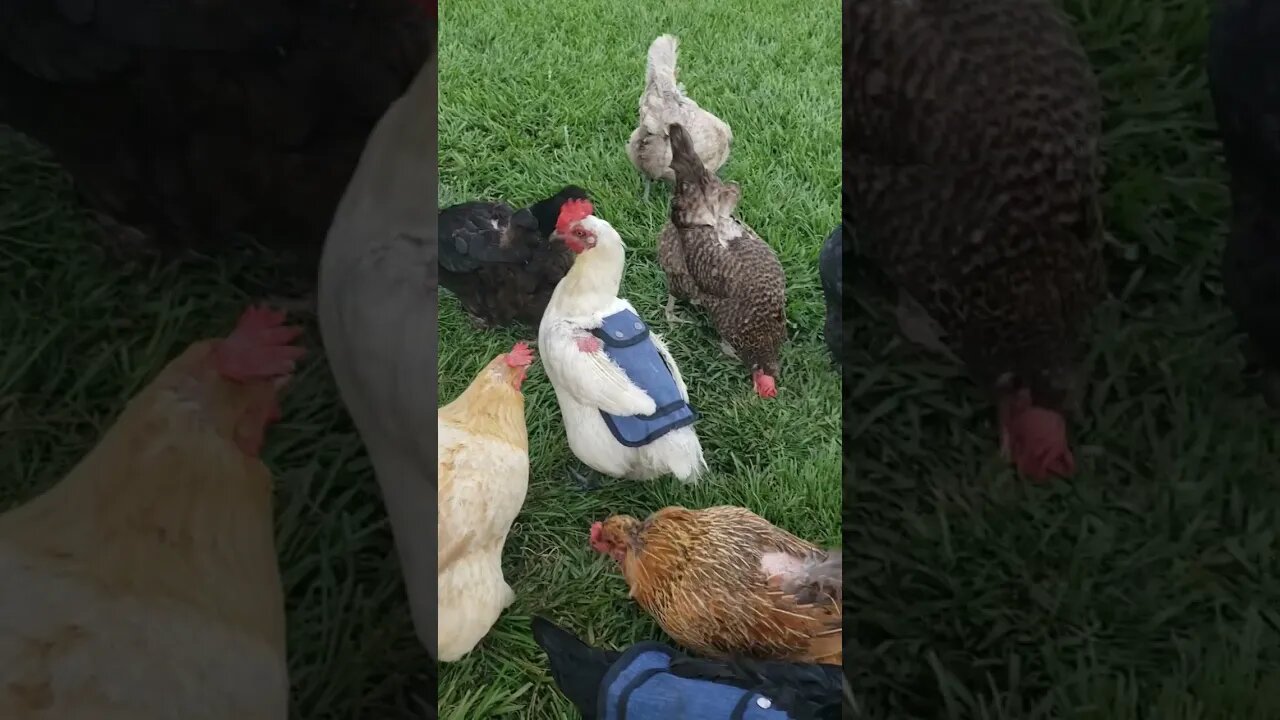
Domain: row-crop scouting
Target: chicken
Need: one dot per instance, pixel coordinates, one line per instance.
(831, 271)
(186, 124)
(625, 405)
(377, 310)
(1244, 80)
(145, 584)
(978, 198)
(501, 263)
(482, 463)
(804, 691)
(724, 581)
(715, 260)
(662, 103)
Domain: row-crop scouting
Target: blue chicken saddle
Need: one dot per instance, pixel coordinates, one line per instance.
(641, 686)
(626, 342)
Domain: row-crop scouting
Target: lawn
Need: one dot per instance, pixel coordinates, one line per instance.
(1148, 586)
(531, 101)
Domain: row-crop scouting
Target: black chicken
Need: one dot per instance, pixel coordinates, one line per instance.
(500, 262)
(187, 124)
(1244, 79)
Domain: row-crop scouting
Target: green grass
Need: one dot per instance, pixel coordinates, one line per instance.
(533, 100)
(1148, 586)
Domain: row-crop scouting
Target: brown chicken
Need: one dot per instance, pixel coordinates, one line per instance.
(144, 585)
(189, 123)
(724, 581)
(715, 260)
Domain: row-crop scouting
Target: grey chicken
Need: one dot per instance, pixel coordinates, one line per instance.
(1244, 79)
(715, 260)
(971, 175)
(662, 103)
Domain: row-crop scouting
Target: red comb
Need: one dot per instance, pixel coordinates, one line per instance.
(572, 211)
(259, 347)
(520, 355)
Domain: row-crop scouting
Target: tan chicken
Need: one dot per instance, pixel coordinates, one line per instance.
(144, 585)
(483, 466)
(662, 103)
(715, 260)
(724, 581)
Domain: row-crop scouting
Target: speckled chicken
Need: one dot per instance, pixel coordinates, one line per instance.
(502, 263)
(662, 103)
(1244, 79)
(715, 260)
(725, 581)
(971, 177)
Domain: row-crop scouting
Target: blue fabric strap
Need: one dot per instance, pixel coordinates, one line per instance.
(627, 342)
(640, 686)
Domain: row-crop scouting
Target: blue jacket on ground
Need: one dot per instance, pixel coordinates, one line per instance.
(626, 341)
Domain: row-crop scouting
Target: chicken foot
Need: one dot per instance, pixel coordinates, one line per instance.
(917, 326)
(123, 242)
(670, 311)
(727, 349)
(587, 480)
(477, 322)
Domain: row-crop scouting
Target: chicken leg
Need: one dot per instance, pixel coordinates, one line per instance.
(647, 184)
(587, 480)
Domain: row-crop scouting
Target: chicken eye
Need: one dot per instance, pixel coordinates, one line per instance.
(579, 232)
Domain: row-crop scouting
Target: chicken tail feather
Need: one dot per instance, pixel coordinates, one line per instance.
(660, 72)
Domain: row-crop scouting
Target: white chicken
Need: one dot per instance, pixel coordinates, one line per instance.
(630, 422)
(377, 308)
(664, 103)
